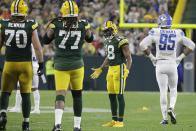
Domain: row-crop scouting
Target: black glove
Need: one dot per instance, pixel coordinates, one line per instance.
(40, 70)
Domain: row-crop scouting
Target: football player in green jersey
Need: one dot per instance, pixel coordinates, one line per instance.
(119, 61)
(18, 33)
(69, 34)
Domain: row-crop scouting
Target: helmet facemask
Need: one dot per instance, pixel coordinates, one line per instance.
(108, 33)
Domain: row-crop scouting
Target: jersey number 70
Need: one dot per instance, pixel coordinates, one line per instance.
(167, 42)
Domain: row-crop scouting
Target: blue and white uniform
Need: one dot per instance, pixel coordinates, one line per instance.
(167, 42)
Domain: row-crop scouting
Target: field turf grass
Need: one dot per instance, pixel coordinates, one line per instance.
(142, 113)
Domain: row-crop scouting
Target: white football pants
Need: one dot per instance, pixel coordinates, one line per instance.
(167, 76)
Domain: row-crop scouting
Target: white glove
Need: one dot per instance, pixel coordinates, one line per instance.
(153, 59)
(179, 58)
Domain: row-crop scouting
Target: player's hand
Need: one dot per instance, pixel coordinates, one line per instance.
(126, 73)
(153, 59)
(97, 72)
(40, 70)
(154, 62)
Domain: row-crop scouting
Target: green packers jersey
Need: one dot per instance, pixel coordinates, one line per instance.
(17, 37)
(114, 50)
(68, 52)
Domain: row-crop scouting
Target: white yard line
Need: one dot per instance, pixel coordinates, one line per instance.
(50, 109)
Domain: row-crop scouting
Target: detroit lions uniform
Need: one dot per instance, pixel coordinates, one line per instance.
(167, 41)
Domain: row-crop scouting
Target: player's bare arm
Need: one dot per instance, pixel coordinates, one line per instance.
(127, 55)
(1, 42)
(37, 46)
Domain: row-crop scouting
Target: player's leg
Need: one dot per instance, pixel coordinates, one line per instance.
(119, 86)
(18, 100)
(25, 80)
(162, 80)
(9, 80)
(173, 79)
(112, 97)
(76, 80)
(36, 94)
(62, 80)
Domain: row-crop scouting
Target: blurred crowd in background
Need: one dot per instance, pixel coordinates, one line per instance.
(97, 12)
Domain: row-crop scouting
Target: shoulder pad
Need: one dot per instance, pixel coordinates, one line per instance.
(119, 38)
(181, 32)
(151, 32)
(51, 26)
(35, 25)
(122, 41)
(30, 20)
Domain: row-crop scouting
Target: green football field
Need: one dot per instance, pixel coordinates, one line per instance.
(142, 113)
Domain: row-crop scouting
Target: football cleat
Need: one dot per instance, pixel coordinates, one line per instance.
(109, 124)
(3, 121)
(77, 129)
(35, 111)
(118, 124)
(57, 128)
(172, 115)
(25, 126)
(164, 122)
(14, 109)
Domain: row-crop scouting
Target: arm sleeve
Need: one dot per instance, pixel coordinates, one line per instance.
(35, 25)
(188, 43)
(147, 41)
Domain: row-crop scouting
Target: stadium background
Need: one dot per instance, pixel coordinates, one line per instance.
(142, 75)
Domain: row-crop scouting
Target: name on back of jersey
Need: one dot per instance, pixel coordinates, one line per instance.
(17, 25)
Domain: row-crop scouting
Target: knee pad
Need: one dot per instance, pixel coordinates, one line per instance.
(76, 93)
(60, 98)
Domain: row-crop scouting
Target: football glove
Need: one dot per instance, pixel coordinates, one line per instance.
(126, 73)
(40, 70)
(97, 72)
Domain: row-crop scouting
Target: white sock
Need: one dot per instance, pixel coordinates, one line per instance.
(36, 96)
(26, 119)
(18, 100)
(163, 103)
(173, 97)
(58, 116)
(77, 121)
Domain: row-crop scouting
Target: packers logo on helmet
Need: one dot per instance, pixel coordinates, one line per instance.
(69, 9)
(110, 29)
(19, 8)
